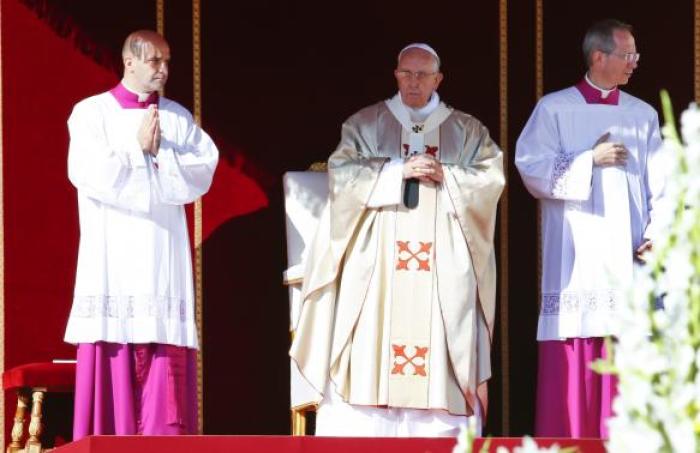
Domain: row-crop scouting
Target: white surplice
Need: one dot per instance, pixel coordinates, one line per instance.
(134, 276)
(593, 218)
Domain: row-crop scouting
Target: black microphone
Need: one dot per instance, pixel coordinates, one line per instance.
(410, 193)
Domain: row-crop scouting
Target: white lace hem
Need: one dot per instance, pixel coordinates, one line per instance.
(129, 319)
(578, 314)
(129, 307)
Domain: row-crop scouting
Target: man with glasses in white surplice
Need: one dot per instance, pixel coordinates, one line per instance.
(590, 154)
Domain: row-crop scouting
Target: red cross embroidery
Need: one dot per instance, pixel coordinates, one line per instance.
(417, 361)
(422, 256)
(432, 150)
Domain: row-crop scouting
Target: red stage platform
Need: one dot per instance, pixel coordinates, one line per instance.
(582, 445)
(256, 444)
(279, 444)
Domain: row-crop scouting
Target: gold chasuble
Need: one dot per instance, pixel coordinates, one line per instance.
(399, 303)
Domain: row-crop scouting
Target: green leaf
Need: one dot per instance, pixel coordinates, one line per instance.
(669, 128)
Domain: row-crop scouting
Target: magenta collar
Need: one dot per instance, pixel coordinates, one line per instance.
(595, 96)
(130, 100)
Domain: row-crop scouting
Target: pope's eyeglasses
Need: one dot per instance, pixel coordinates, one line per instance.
(420, 75)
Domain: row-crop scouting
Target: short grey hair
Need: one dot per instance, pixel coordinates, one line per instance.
(600, 37)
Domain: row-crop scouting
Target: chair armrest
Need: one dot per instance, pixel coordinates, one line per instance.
(293, 275)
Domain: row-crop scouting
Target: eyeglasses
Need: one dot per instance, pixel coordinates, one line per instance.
(420, 75)
(630, 57)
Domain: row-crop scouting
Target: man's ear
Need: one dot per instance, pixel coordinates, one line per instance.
(597, 57)
(438, 79)
(128, 61)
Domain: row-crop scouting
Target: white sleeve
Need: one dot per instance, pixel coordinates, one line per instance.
(389, 187)
(657, 173)
(185, 168)
(101, 170)
(548, 170)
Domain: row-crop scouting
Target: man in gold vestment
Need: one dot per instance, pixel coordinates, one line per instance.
(399, 288)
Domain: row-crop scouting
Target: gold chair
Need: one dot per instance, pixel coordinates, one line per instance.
(305, 196)
(33, 381)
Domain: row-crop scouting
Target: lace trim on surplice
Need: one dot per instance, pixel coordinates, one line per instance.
(129, 307)
(580, 302)
(560, 174)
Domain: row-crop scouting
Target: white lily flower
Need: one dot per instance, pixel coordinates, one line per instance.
(657, 357)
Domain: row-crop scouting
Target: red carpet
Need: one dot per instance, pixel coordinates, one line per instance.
(582, 445)
(308, 444)
(257, 444)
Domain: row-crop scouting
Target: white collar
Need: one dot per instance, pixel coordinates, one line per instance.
(142, 96)
(603, 92)
(420, 114)
(401, 112)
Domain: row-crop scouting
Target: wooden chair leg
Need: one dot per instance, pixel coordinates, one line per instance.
(33, 444)
(18, 426)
